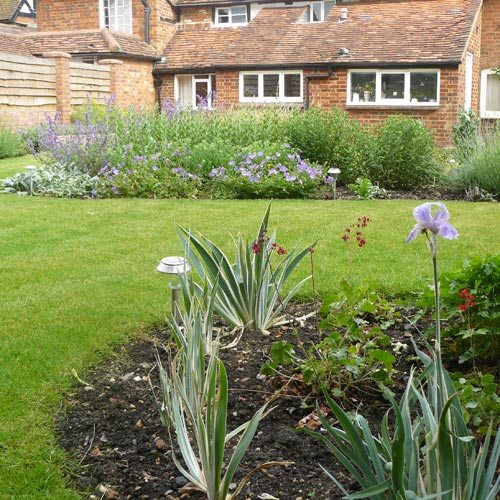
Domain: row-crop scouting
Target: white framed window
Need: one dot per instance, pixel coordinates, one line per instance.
(393, 87)
(116, 15)
(490, 94)
(468, 80)
(236, 15)
(271, 86)
(317, 11)
(195, 91)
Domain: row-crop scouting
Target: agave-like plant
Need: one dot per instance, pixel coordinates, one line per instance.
(194, 405)
(248, 291)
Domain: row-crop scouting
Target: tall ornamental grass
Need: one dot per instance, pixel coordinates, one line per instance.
(480, 169)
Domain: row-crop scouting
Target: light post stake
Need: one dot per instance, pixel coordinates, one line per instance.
(334, 174)
(31, 169)
(174, 266)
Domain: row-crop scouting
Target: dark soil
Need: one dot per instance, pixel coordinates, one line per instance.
(112, 429)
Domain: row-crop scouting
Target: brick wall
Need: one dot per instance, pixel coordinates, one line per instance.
(62, 15)
(192, 18)
(132, 82)
(490, 34)
(162, 24)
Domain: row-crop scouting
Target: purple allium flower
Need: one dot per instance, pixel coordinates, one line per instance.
(437, 224)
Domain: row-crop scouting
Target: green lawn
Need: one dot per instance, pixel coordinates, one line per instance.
(11, 166)
(78, 276)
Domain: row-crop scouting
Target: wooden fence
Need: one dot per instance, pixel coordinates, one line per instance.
(32, 87)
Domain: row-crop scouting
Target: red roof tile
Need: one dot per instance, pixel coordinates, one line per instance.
(91, 42)
(424, 32)
(12, 40)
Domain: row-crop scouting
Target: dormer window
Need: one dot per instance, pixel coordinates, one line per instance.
(317, 11)
(236, 15)
(116, 15)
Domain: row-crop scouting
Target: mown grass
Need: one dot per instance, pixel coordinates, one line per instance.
(78, 277)
(11, 166)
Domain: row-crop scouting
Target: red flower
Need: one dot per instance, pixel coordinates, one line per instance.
(256, 248)
(311, 250)
(345, 237)
(281, 250)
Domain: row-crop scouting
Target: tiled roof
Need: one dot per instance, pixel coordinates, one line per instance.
(192, 3)
(8, 9)
(91, 42)
(12, 41)
(424, 32)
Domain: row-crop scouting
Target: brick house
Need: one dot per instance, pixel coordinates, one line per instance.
(424, 58)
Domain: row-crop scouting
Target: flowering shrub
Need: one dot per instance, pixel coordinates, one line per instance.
(155, 175)
(282, 174)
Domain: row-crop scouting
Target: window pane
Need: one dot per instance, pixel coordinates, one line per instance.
(213, 91)
(239, 14)
(271, 85)
(222, 15)
(423, 87)
(328, 7)
(492, 93)
(363, 85)
(393, 85)
(292, 85)
(250, 85)
(316, 12)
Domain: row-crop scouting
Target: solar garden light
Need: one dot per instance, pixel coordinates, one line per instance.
(334, 174)
(31, 170)
(173, 266)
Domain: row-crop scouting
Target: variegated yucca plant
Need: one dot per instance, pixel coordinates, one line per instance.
(428, 452)
(194, 405)
(248, 291)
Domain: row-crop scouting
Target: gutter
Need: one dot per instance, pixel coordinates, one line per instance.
(147, 21)
(315, 76)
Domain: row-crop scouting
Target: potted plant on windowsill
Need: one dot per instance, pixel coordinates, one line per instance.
(366, 91)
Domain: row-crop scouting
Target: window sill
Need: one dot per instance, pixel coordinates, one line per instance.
(379, 105)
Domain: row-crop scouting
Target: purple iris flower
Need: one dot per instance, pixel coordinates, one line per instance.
(437, 224)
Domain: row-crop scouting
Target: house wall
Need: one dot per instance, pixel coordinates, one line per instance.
(195, 18)
(62, 15)
(490, 34)
(331, 92)
(132, 83)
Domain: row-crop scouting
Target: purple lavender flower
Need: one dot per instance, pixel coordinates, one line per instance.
(437, 224)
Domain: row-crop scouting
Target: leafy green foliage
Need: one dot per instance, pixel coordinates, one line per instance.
(354, 354)
(12, 144)
(403, 155)
(60, 180)
(332, 139)
(365, 190)
(247, 293)
(465, 133)
(480, 396)
(480, 168)
(470, 298)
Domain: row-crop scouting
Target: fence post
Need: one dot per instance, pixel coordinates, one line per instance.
(116, 78)
(63, 86)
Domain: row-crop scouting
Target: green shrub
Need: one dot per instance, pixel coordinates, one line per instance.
(11, 144)
(480, 169)
(332, 139)
(465, 133)
(402, 156)
(471, 301)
